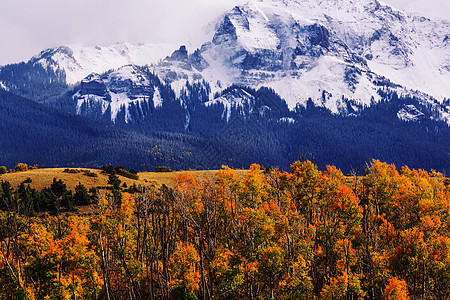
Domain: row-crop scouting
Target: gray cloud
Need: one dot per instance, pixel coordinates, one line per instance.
(430, 8)
(29, 26)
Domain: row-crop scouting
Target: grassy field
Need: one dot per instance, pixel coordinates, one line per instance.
(167, 177)
(41, 178)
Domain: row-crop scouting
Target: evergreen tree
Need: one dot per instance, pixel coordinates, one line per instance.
(114, 181)
(81, 196)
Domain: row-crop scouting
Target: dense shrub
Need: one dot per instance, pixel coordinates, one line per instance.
(163, 169)
(21, 167)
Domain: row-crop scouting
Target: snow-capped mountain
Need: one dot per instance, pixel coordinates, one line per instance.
(127, 94)
(78, 62)
(344, 47)
(334, 52)
(274, 81)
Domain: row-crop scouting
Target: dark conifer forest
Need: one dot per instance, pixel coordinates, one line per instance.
(45, 135)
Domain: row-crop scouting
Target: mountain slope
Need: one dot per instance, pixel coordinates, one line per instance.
(52, 71)
(326, 50)
(301, 48)
(333, 52)
(342, 80)
(35, 134)
(78, 62)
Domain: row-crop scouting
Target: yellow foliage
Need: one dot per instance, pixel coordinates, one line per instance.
(396, 290)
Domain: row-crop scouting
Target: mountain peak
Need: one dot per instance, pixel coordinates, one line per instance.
(280, 41)
(78, 61)
(329, 51)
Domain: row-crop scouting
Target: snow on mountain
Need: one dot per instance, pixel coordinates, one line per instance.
(180, 67)
(287, 120)
(101, 90)
(410, 113)
(240, 101)
(115, 91)
(78, 62)
(3, 86)
(325, 50)
(334, 52)
(272, 44)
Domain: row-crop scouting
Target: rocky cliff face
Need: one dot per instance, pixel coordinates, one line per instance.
(344, 47)
(111, 95)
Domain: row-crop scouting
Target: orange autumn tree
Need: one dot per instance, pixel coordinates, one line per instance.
(43, 263)
(79, 263)
(271, 268)
(396, 290)
(341, 287)
(185, 277)
(304, 234)
(64, 268)
(297, 283)
(304, 181)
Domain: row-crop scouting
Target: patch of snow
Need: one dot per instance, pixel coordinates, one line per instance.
(3, 86)
(409, 113)
(445, 116)
(425, 73)
(129, 72)
(252, 30)
(226, 104)
(88, 100)
(187, 120)
(118, 102)
(232, 101)
(157, 100)
(288, 120)
(327, 76)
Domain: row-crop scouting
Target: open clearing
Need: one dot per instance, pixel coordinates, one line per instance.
(41, 178)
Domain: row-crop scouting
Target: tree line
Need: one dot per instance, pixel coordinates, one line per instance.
(303, 234)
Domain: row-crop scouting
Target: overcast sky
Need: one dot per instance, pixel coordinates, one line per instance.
(29, 26)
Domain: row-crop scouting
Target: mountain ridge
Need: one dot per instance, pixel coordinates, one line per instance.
(299, 48)
(273, 82)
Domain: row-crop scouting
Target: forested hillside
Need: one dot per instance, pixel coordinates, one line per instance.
(272, 82)
(39, 135)
(303, 234)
